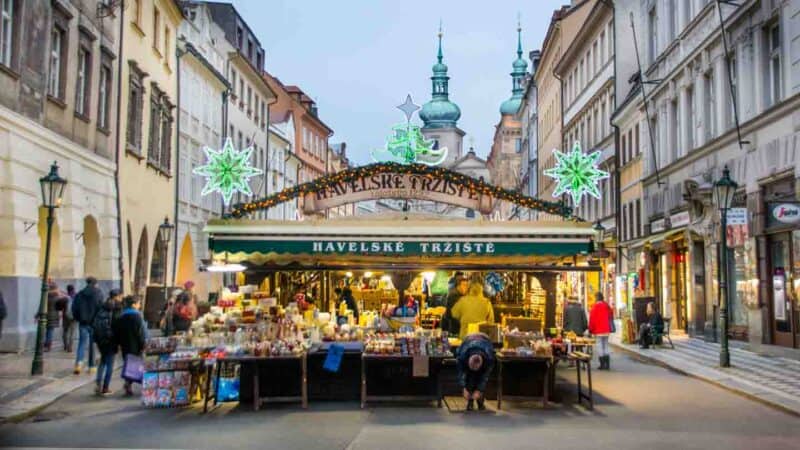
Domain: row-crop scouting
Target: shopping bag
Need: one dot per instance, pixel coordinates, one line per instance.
(134, 368)
(334, 359)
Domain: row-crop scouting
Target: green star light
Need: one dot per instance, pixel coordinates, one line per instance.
(227, 171)
(576, 173)
(409, 146)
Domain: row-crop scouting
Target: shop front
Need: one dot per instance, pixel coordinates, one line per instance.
(783, 266)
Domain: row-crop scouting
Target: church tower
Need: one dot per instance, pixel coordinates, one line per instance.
(440, 115)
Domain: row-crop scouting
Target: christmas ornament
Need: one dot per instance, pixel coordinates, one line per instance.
(227, 171)
(576, 173)
(407, 145)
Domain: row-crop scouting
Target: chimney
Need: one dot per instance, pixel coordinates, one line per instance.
(535, 56)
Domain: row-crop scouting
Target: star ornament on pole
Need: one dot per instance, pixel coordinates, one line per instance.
(227, 171)
(576, 173)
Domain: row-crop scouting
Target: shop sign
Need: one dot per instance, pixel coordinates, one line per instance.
(396, 185)
(657, 226)
(736, 227)
(399, 248)
(679, 219)
(781, 214)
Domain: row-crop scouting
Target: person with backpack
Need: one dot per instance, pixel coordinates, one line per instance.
(130, 333)
(84, 308)
(103, 335)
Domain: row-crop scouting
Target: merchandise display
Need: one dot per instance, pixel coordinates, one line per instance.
(419, 343)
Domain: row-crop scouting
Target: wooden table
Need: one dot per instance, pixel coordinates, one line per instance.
(258, 400)
(502, 361)
(584, 359)
(434, 365)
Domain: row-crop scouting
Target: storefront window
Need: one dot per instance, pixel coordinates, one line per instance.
(739, 267)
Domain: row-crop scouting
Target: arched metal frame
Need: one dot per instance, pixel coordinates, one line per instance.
(474, 185)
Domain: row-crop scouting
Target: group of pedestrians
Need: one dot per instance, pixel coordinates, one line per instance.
(600, 324)
(113, 324)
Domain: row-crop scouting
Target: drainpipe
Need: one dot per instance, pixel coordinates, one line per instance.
(117, 157)
(179, 54)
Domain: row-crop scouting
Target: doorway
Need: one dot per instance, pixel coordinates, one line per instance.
(783, 303)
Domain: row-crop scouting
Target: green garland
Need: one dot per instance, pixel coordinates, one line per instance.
(474, 185)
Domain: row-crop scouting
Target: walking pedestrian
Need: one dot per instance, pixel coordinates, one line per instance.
(3, 313)
(130, 333)
(54, 298)
(67, 321)
(601, 325)
(86, 304)
(474, 363)
(103, 336)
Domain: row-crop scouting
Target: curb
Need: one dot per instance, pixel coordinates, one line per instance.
(763, 401)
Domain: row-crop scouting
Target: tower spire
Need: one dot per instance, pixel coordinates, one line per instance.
(439, 55)
(519, 35)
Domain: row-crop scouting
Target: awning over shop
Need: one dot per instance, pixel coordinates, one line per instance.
(396, 242)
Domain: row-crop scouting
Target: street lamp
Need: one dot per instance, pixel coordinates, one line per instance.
(724, 190)
(165, 234)
(52, 190)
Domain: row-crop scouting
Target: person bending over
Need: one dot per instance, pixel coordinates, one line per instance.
(475, 362)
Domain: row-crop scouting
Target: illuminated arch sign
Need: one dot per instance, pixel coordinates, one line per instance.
(398, 185)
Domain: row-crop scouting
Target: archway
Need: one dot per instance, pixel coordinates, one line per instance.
(55, 244)
(140, 273)
(186, 264)
(411, 181)
(158, 263)
(91, 247)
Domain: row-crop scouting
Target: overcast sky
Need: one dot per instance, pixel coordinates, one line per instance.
(359, 58)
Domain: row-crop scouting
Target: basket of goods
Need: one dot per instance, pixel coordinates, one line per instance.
(542, 348)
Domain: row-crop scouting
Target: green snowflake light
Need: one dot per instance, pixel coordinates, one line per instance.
(227, 171)
(576, 173)
(407, 145)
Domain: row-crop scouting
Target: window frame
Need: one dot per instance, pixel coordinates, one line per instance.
(55, 75)
(83, 79)
(774, 59)
(8, 38)
(135, 120)
(105, 77)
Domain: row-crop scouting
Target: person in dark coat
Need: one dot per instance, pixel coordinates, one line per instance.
(474, 362)
(84, 308)
(653, 327)
(130, 333)
(54, 298)
(575, 317)
(67, 321)
(103, 335)
(350, 301)
(459, 289)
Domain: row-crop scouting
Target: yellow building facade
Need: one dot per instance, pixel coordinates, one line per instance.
(148, 150)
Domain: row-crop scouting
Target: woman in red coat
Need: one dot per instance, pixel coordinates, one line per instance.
(601, 324)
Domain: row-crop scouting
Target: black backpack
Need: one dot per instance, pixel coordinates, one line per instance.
(101, 327)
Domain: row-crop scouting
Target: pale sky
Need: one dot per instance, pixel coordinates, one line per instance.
(359, 58)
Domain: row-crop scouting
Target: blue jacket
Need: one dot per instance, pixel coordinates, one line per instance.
(472, 344)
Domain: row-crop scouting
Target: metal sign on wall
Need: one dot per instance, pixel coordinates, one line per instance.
(783, 214)
(394, 185)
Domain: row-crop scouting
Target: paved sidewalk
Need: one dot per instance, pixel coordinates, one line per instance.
(22, 394)
(769, 379)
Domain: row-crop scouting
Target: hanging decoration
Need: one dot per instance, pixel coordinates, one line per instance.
(407, 145)
(227, 171)
(576, 173)
(493, 284)
(473, 185)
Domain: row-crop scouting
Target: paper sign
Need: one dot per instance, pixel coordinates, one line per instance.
(421, 366)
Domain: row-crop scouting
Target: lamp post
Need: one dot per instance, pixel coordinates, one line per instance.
(52, 190)
(724, 190)
(165, 233)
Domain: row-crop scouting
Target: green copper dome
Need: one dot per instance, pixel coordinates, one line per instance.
(440, 112)
(520, 66)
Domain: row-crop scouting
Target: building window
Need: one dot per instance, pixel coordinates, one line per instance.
(241, 94)
(249, 101)
(239, 38)
(638, 217)
(635, 151)
(652, 25)
(166, 135)
(135, 109)
(82, 86)
(734, 74)
(156, 28)
(154, 141)
(689, 119)
(710, 106)
(56, 63)
(675, 150)
(103, 97)
(518, 145)
(625, 157)
(166, 45)
(6, 31)
(774, 64)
